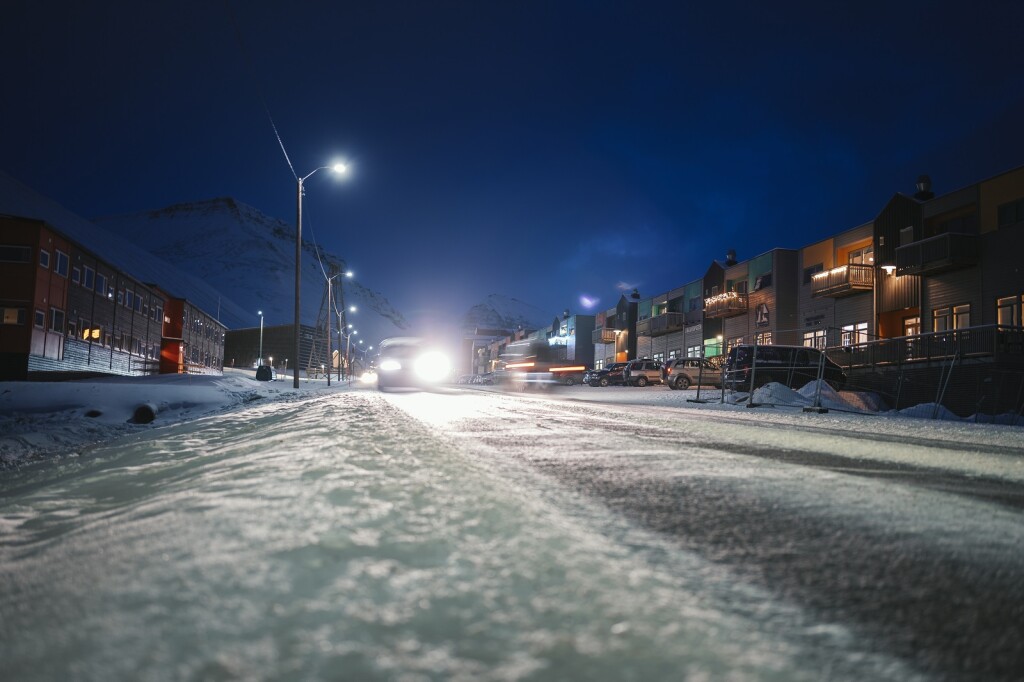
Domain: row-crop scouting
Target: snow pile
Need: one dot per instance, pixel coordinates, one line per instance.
(774, 393)
(62, 418)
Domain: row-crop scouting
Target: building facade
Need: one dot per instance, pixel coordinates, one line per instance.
(68, 313)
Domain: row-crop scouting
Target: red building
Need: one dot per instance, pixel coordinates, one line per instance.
(67, 314)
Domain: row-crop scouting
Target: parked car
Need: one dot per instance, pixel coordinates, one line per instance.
(641, 372)
(681, 373)
(792, 366)
(610, 375)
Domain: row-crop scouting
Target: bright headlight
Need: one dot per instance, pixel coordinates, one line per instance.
(390, 365)
(432, 366)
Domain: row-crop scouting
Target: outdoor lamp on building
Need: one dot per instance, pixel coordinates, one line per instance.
(340, 169)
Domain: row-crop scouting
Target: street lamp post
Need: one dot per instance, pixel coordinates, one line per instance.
(337, 168)
(260, 313)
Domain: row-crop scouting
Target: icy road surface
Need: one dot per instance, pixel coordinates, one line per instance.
(471, 535)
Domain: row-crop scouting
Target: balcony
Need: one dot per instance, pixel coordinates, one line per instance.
(643, 327)
(667, 323)
(940, 253)
(729, 304)
(603, 336)
(843, 281)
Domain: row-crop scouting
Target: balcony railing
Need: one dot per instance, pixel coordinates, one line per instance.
(729, 304)
(937, 254)
(1002, 343)
(843, 281)
(667, 323)
(603, 335)
(643, 327)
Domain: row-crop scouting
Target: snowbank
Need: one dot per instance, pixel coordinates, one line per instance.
(44, 418)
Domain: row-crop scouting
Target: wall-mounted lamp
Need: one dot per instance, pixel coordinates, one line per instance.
(889, 269)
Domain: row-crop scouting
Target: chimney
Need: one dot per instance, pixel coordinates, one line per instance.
(565, 314)
(924, 188)
(730, 257)
(635, 295)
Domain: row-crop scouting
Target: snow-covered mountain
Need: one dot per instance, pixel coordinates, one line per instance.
(503, 312)
(227, 258)
(250, 257)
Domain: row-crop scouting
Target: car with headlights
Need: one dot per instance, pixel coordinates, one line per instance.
(411, 362)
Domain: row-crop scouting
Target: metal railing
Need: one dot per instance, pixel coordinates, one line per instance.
(941, 252)
(982, 341)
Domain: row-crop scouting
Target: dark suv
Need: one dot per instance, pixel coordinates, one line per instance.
(792, 366)
(682, 373)
(642, 372)
(612, 374)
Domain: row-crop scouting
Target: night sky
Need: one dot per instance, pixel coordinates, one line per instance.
(540, 150)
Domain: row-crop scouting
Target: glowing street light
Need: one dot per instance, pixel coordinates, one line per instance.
(260, 313)
(340, 169)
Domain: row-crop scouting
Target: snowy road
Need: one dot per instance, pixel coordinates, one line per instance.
(472, 535)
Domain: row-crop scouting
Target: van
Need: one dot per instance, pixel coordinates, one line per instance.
(792, 366)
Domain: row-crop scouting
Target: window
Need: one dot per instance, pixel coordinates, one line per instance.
(101, 284)
(1011, 213)
(763, 282)
(120, 296)
(693, 351)
(659, 357)
(696, 303)
(911, 326)
(14, 315)
(56, 320)
(138, 303)
(674, 353)
(89, 279)
(61, 266)
(763, 338)
(40, 319)
(940, 320)
(853, 334)
(15, 254)
(129, 298)
(810, 272)
(733, 342)
(72, 329)
(599, 364)
(1008, 311)
(962, 316)
(44, 259)
(865, 256)
(740, 287)
(815, 338)
(76, 275)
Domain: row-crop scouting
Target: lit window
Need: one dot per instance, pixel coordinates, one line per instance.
(1008, 311)
(815, 339)
(853, 334)
(962, 316)
(763, 339)
(940, 320)
(14, 315)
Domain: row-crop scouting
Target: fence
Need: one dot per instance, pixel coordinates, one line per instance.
(975, 372)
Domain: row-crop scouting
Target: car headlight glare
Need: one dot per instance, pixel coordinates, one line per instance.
(432, 366)
(390, 365)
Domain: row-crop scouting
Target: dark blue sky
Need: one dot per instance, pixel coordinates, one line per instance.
(540, 150)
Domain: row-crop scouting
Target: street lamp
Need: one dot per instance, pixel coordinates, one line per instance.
(340, 169)
(260, 313)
